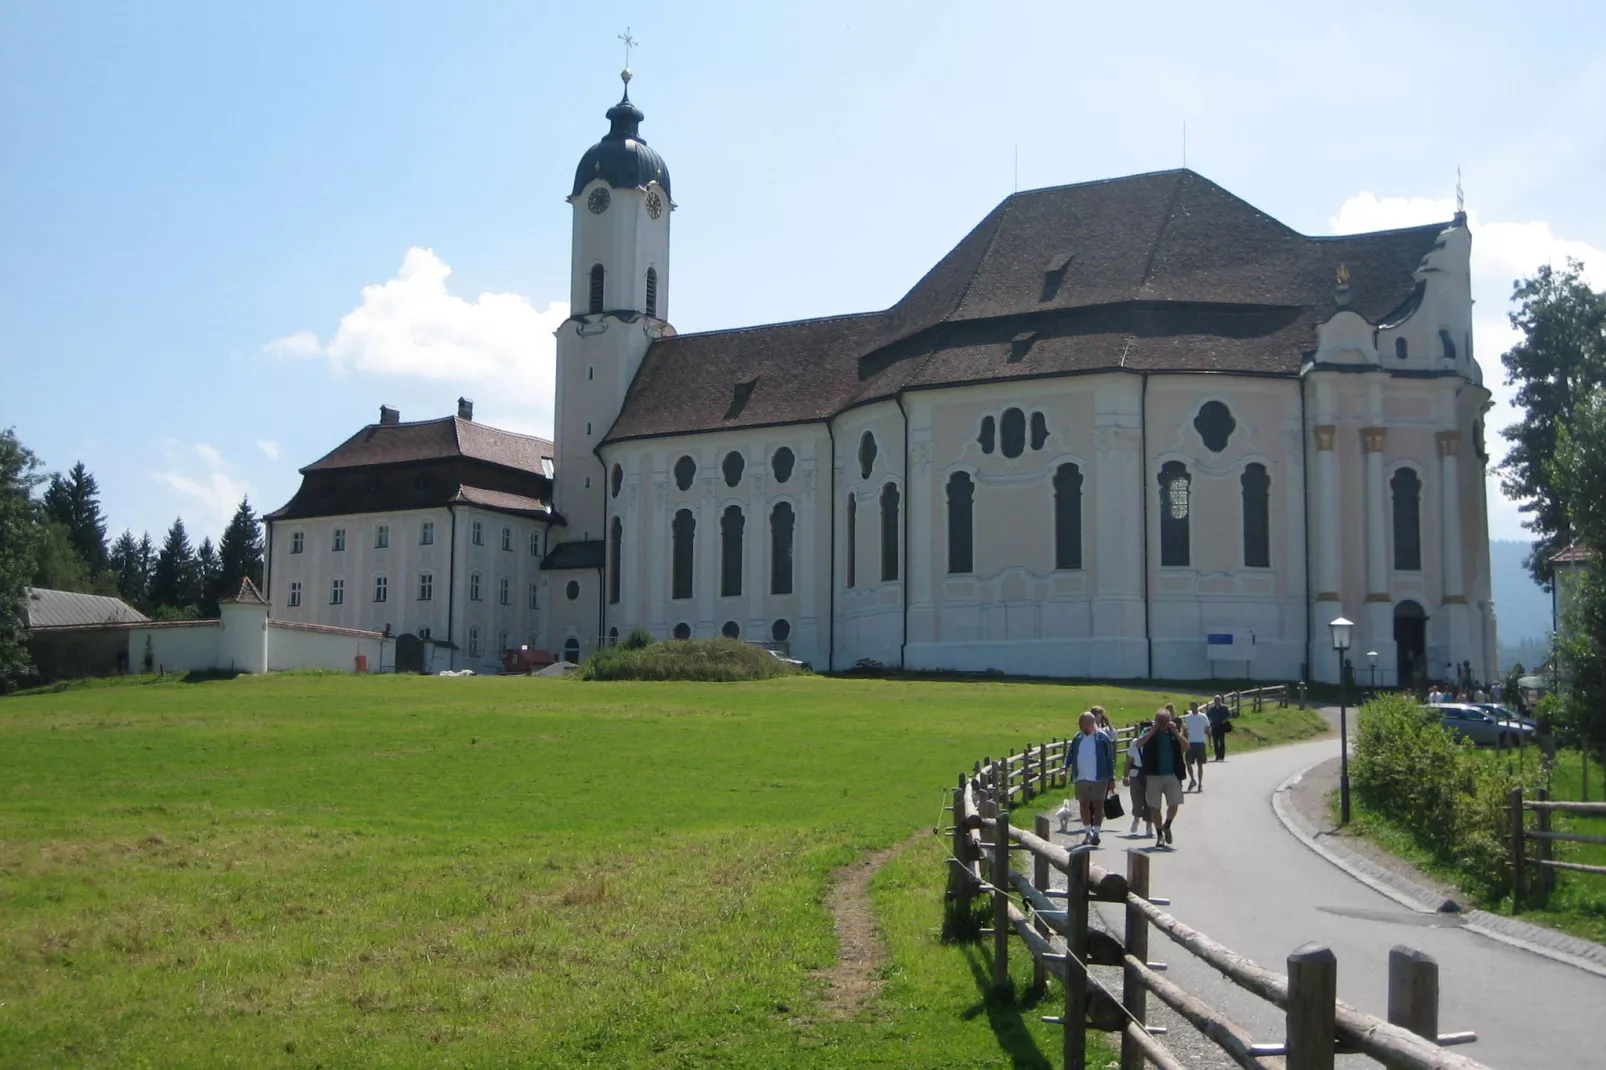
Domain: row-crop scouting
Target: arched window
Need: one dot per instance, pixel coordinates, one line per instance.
(613, 636)
(853, 541)
(989, 429)
(1401, 348)
(782, 463)
(616, 480)
(1257, 516)
(1174, 507)
(867, 452)
(731, 526)
(682, 533)
(571, 650)
(733, 467)
(1067, 516)
(596, 288)
(685, 472)
(961, 494)
(682, 631)
(616, 538)
(1039, 430)
(1012, 433)
(782, 521)
(889, 532)
(652, 292)
(1407, 488)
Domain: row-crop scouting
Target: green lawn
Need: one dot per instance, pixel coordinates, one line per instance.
(402, 871)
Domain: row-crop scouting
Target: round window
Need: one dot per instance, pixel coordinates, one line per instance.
(781, 630)
(731, 630)
(572, 590)
(682, 630)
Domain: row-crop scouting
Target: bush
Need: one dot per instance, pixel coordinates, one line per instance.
(720, 660)
(636, 639)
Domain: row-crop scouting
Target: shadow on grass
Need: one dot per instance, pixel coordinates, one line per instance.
(1005, 1012)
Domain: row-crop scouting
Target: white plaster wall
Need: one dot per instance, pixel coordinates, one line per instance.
(176, 648)
(292, 648)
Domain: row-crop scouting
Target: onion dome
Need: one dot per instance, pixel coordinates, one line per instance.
(622, 158)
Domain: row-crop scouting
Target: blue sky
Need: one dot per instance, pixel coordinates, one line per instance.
(229, 233)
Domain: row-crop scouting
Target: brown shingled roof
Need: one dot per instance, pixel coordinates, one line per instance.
(247, 593)
(429, 440)
(502, 500)
(1157, 272)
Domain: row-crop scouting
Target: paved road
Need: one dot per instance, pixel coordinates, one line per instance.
(1237, 875)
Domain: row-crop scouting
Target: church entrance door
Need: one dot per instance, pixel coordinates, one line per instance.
(409, 653)
(1410, 643)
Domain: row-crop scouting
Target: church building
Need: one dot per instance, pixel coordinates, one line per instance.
(1127, 428)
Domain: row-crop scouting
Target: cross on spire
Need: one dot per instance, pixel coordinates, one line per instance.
(630, 42)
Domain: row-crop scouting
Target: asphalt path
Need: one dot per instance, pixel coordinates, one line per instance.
(1237, 875)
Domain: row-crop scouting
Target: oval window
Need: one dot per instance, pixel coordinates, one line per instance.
(682, 630)
(781, 630)
(733, 467)
(685, 473)
(731, 630)
(1012, 433)
(1039, 430)
(988, 430)
(617, 480)
(867, 452)
(572, 591)
(782, 464)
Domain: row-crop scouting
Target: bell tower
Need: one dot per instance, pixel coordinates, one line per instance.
(618, 301)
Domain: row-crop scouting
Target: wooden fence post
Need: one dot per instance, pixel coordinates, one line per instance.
(1544, 876)
(1001, 926)
(1414, 991)
(959, 884)
(1075, 1013)
(1518, 877)
(1041, 880)
(1312, 1007)
(1133, 995)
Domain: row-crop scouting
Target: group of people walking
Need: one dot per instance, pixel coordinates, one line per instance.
(1163, 752)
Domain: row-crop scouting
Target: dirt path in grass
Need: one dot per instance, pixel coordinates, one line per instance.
(853, 981)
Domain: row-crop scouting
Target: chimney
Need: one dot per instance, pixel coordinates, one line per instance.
(388, 415)
(465, 409)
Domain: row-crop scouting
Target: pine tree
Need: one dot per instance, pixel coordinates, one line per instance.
(73, 501)
(207, 576)
(147, 573)
(18, 532)
(240, 550)
(125, 566)
(57, 566)
(173, 581)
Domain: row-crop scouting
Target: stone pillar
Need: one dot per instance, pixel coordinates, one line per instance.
(1459, 645)
(656, 532)
(1377, 566)
(1327, 536)
(1122, 489)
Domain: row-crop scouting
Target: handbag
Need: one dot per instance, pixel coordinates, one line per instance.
(1113, 807)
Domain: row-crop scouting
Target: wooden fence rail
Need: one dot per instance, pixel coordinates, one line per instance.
(1053, 926)
(1524, 888)
(1258, 697)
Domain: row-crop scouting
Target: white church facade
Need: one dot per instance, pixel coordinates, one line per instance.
(1131, 428)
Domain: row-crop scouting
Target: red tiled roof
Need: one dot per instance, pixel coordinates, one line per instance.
(501, 500)
(430, 440)
(247, 594)
(326, 629)
(1572, 555)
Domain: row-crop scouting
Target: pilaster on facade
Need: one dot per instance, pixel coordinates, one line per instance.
(1373, 440)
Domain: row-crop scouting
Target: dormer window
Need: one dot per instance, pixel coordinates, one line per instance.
(652, 292)
(597, 275)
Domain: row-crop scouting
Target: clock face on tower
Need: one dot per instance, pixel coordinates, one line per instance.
(655, 204)
(598, 201)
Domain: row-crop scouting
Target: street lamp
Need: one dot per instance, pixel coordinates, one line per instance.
(1341, 629)
(1371, 656)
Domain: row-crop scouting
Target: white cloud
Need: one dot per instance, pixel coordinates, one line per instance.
(269, 447)
(200, 473)
(1502, 252)
(411, 327)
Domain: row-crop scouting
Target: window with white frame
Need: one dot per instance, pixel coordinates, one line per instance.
(337, 592)
(507, 538)
(532, 597)
(473, 642)
(295, 593)
(501, 642)
(423, 632)
(474, 586)
(477, 533)
(340, 540)
(504, 592)
(535, 544)
(381, 589)
(382, 537)
(426, 586)
(298, 541)
(426, 533)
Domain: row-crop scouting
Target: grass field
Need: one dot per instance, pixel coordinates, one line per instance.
(402, 871)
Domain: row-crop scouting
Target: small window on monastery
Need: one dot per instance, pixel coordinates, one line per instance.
(1401, 348)
(1039, 430)
(381, 536)
(474, 586)
(501, 642)
(337, 592)
(477, 533)
(685, 473)
(616, 480)
(426, 586)
(613, 636)
(733, 467)
(782, 463)
(533, 602)
(339, 540)
(297, 542)
(989, 432)
(295, 594)
(1012, 433)
(426, 533)
(596, 288)
(652, 292)
(473, 642)
(591, 372)
(381, 589)
(535, 544)
(1215, 425)
(504, 591)
(867, 452)
(682, 631)
(731, 630)
(507, 539)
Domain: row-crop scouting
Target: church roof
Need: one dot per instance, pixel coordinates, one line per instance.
(1157, 272)
(622, 158)
(434, 440)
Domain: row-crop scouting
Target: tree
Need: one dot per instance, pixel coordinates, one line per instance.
(173, 580)
(57, 566)
(1578, 471)
(19, 532)
(207, 576)
(1561, 358)
(147, 571)
(73, 501)
(240, 550)
(129, 568)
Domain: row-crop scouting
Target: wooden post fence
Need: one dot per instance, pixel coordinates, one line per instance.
(1414, 991)
(1075, 1023)
(1042, 881)
(1134, 997)
(1312, 1008)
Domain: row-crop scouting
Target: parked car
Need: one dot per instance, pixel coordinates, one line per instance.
(1476, 724)
(1505, 713)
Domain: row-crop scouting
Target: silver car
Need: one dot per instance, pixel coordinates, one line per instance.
(1475, 724)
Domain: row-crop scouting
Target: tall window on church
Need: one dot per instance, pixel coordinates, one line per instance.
(1407, 490)
(731, 526)
(853, 541)
(652, 291)
(782, 522)
(683, 532)
(1067, 516)
(596, 288)
(961, 528)
(1174, 506)
(616, 538)
(1257, 516)
(1012, 433)
(889, 533)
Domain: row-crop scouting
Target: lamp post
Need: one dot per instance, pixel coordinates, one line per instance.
(1341, 630)
(1371, 656)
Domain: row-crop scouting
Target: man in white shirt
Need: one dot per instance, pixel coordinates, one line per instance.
(1090, 758)
(1197, 724)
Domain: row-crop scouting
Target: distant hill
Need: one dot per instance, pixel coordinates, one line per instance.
(1521, 606)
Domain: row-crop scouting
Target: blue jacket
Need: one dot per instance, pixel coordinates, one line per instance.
(1106, 753)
